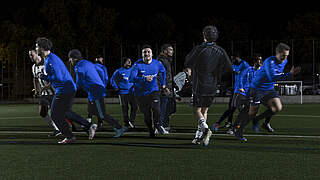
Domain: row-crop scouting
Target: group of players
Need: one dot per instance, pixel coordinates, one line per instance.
(148, 84)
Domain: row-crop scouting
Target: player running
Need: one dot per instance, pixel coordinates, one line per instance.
(208, 62)
(262, 86)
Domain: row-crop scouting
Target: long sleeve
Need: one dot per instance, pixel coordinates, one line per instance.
(271, 73)
(180, 79)
(114, 79)
(163, 74)
(134, 75)
(189, 60)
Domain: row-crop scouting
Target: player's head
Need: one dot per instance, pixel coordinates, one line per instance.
(210, 33)
(34, 57)
(167, 50)
(146, 53)
(43, 46)
(235, 58)
(99, 59)
(282, 52)
(126, 62)
(74, 55)
(257, 60)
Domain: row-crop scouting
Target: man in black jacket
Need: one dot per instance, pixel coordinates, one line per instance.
(208, 62)
(165, 58)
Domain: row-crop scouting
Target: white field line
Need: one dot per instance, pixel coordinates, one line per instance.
(146, 133)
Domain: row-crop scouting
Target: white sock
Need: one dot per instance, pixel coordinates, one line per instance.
(198, 132)
(203, 125)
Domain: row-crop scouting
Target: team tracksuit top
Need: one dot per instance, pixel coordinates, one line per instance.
(87, 77)
(239, 69)
(57, 73)
(120, 80)
(268, 74)
(138, 74)
(103, 73)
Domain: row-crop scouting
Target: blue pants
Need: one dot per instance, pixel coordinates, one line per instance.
(61, 108)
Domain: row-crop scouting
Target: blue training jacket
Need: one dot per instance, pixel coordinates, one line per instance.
(58, 75)
(120, 80)
(89, 80)
(268, 74)
(138, 75)
(103, 73)
(246, 79)
(239, 71)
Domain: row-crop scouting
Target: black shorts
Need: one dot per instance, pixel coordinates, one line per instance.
(238, 100)
(262, 97)
(45, 100)
(202, 101)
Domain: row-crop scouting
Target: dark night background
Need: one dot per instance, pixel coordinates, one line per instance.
(96, 29)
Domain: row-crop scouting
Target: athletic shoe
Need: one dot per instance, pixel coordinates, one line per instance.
(268, 127)
(243, 139)
(119, 132)
(160, 130)
(206, 136)
(55, 133)
(215, 127)
(228, 125)
(131, 124)
(196, 141)
(67, 140)
(230, 131)
(100, 124)
(92, 131)
(89, 120)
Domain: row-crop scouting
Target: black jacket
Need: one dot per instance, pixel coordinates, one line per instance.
(167, 65)
(208, 62)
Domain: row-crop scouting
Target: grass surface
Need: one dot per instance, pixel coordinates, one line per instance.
(27, 153)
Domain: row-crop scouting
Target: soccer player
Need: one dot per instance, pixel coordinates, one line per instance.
(262, 86)
(144, 74)
(167, 94)
(44, 89)
(120, 83)
(208, 62)
(238, 67)
(242, 101)
(57, 74)
(88, 78)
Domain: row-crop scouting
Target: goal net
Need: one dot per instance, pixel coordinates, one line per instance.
(290, 91)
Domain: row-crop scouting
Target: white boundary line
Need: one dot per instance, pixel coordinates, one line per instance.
(146, 133)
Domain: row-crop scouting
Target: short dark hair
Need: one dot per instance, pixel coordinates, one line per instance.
(75, 54)
(146, 46)
(282, 47)
(165, 47)
(44, 43)
(210, 33)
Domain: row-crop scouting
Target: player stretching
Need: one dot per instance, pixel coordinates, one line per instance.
(262, 86)
(208, 62)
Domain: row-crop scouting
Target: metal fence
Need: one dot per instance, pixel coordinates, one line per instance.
(16, 77)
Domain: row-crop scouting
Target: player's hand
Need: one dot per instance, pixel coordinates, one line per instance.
(294, 70)
(166, 91)
(149, 78)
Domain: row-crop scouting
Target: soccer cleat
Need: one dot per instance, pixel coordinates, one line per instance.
(131, 124)
(160, 130)
(55, 133)
(119, 132)
(230, 131)
(215, 127)
(67, 140)
(228, 125)
(243, 139)
(92, 131)
(196, 141)
(206, 136)
(268, 127)
(89, 120)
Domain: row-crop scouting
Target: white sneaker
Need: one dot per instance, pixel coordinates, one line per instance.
(92, 131)
(230, 131)
(89, 120)
(196, 141)
(206, 138)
